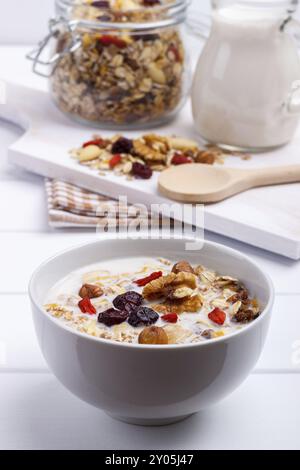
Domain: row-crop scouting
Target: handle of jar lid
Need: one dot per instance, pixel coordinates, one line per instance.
(55, 26)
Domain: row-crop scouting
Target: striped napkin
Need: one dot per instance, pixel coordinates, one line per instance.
(71, 206)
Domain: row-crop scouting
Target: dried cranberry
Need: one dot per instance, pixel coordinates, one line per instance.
(129, 301)
(170, 317)
(143, 316)
(175, 52)
(141, 171)
(107, 40)
(217, 316)
(122, 145)
(180, 159)
(143, 282)
(115, 160)
(112, 317)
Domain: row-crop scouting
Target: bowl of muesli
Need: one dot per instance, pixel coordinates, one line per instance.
(147, 331)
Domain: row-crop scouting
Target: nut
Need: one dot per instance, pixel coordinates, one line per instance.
(181, 293)
(91, 291)
(157, 74)
(89, 153)
(187, 305)
(182, 266)
(179, 143)
(165, 285)
(153, 335)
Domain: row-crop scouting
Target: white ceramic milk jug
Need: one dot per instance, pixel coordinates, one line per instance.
(246, 90)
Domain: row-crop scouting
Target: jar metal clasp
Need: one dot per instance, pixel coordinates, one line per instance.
(56, 27)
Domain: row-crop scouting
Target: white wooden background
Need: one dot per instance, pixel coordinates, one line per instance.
(36, 412)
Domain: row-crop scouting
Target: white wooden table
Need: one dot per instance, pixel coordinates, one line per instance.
(36, 412)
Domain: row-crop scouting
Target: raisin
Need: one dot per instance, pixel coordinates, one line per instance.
(208, 334)
(129, 301)
(112, 317)
(103, 4)
(151, 3)
(146, 37)
(141, 171)
(245, 316)
(143, 316)
(122, 145)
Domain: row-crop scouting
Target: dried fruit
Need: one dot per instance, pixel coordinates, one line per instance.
(108, 40)
(91, 291)
(245, 316)
(115, 160)
(143, 316)
(170, 317)
(182, 266)
(129, 301)
(122, 145)
(180, 159)
(142, 171)
(217, 316)
(153, 335)
(143, 282)
(151, 3)
(99, 142)
(86, 306)
(112, 317)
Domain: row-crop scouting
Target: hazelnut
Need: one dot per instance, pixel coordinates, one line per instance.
(91, 291)
(182, 266)
(153, 335)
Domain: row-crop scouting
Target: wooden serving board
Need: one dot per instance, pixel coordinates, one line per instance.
(268, 218)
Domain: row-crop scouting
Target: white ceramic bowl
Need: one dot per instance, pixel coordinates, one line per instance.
(150, 385)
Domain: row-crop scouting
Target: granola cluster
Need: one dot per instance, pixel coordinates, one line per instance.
(141, 156)
(156, 304)
(121, 76)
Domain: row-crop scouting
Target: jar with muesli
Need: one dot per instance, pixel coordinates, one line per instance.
(117, 63)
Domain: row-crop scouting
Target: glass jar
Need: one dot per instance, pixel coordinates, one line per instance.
(246, 87)
(117, 63)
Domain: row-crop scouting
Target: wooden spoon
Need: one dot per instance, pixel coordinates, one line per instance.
(206, 183)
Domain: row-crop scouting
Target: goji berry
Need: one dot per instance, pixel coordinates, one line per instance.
(98, 142)
(107, 40)
(175, 51)
(170, 317)
(143, 282)
(180, 159)
(217, 316)
(86, 306)
(115, 160)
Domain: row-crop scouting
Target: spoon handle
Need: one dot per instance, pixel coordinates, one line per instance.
(274, 175)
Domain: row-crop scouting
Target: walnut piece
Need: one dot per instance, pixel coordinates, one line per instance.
(91, 291)
(165, 285)
(182, 266)
(187, 305)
